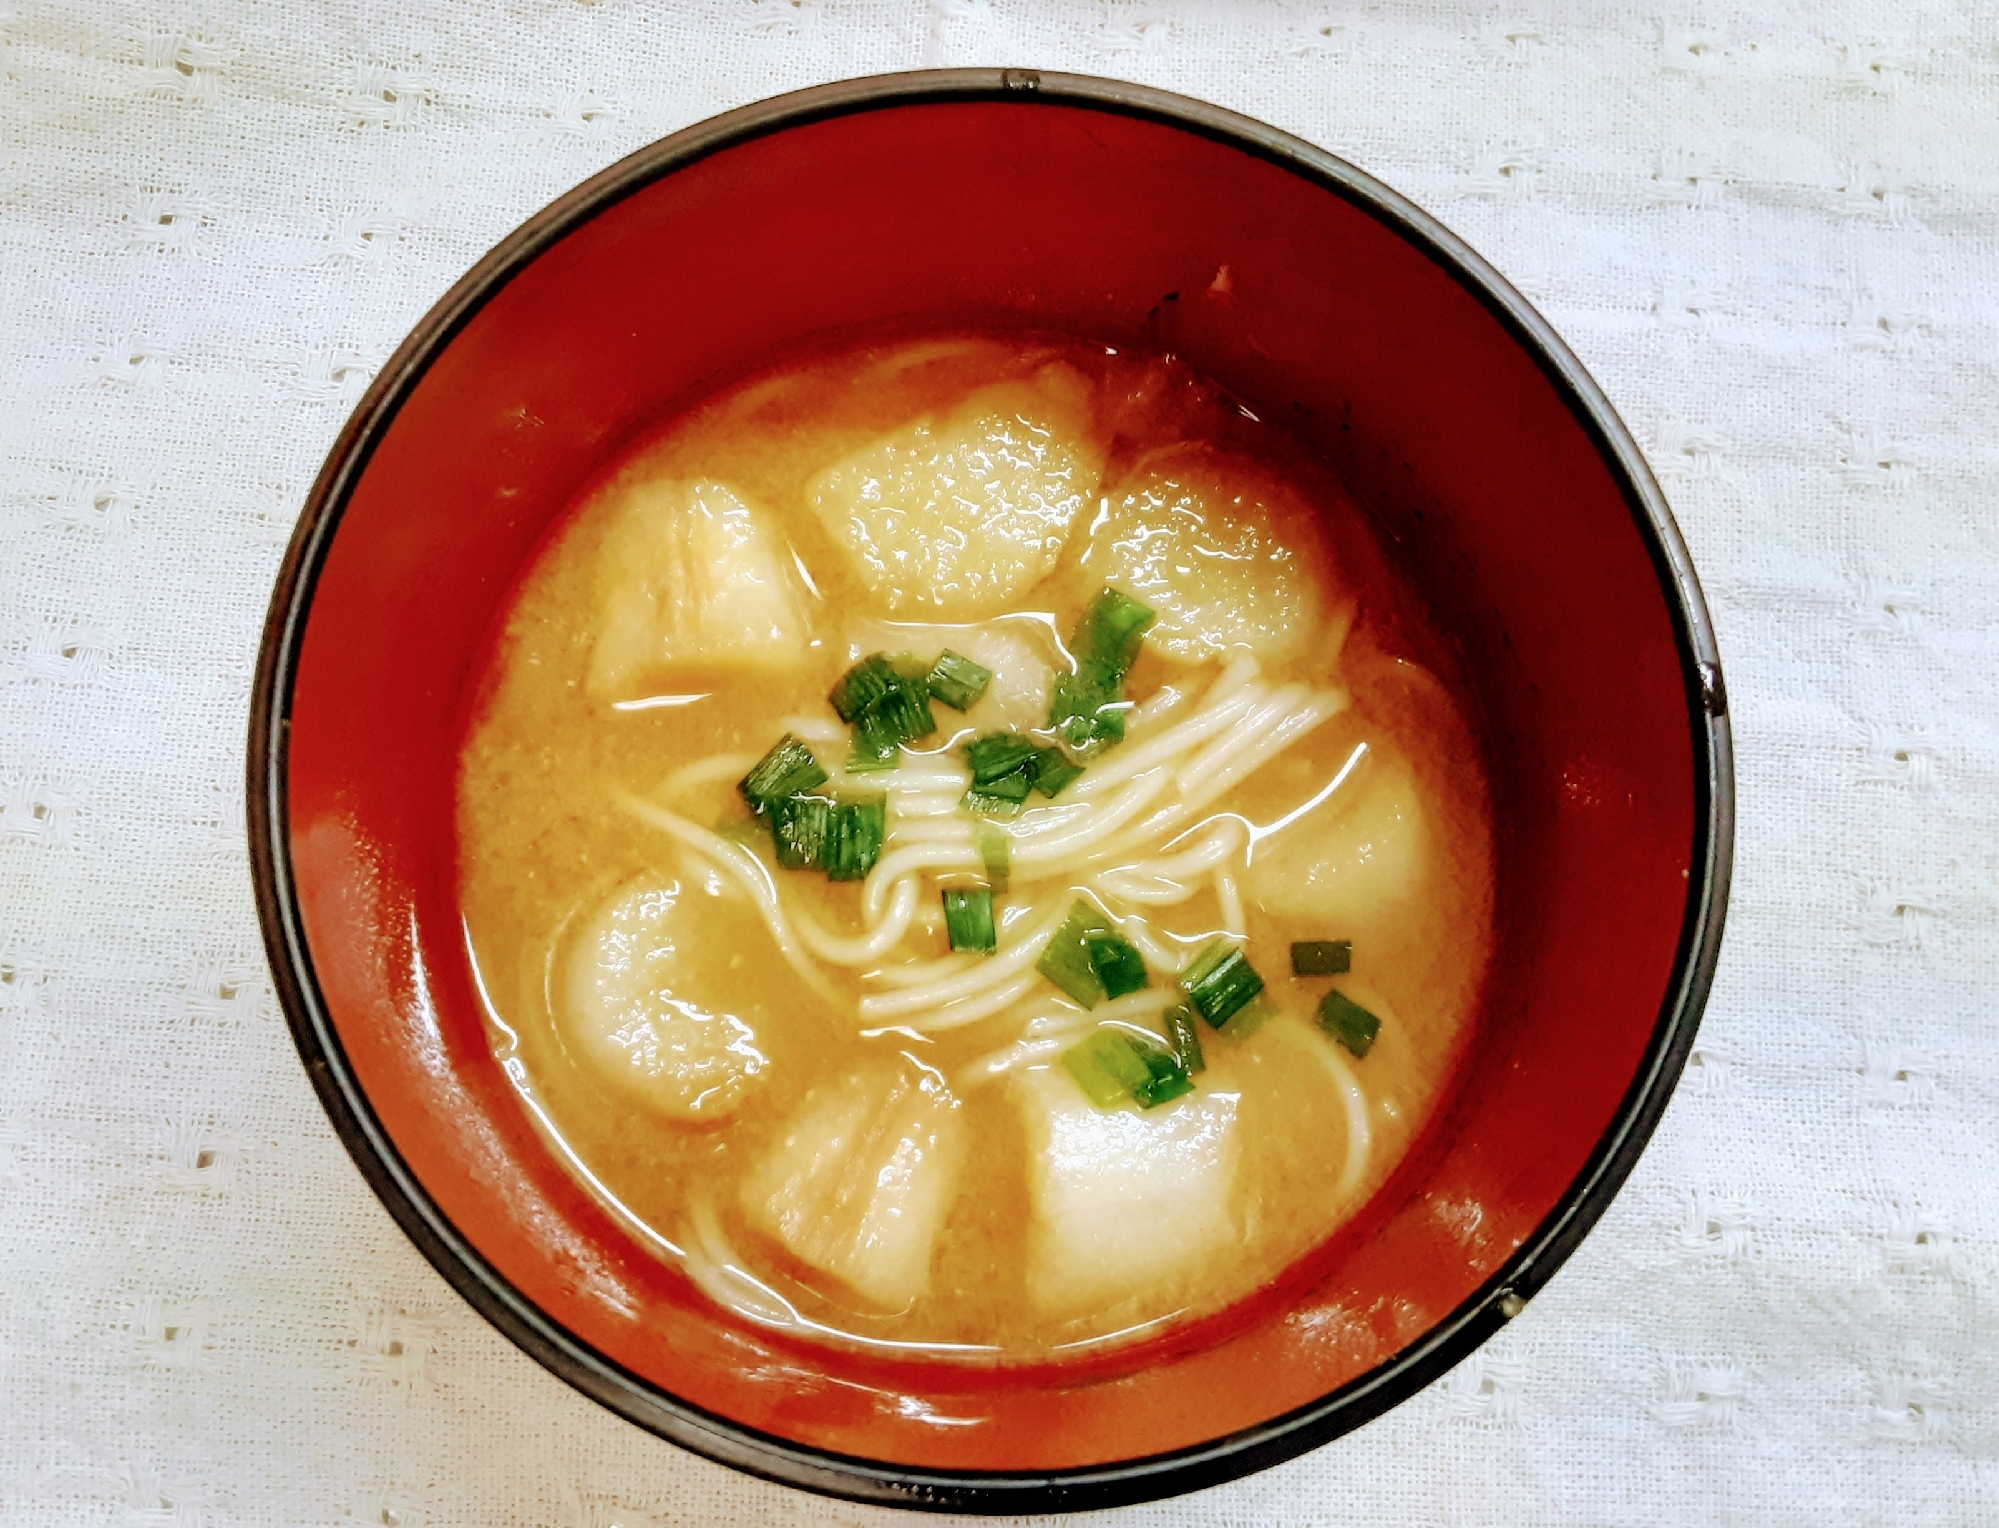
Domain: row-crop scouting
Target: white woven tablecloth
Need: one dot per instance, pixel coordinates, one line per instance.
(1771, 230)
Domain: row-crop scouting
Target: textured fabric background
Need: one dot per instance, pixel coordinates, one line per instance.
(1772, 231)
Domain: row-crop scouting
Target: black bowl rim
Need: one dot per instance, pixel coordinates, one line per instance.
(858, 1479)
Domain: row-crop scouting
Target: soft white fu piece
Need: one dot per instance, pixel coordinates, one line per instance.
(1346, 863)
(862, 1178)
(693, 575)
(1228, 555)
(1124, 1200)
(952, 518)
(639, 1009)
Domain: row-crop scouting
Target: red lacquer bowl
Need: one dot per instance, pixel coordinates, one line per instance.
(1499, 472)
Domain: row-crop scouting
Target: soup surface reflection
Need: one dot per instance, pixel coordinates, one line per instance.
(971, 845)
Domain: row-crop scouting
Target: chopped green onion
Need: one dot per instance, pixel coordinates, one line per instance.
(787, 770)
(887, 702)
(1166, 1080)
(1112, 1065)
(854, 837)
(998, 754)
(1066, 961)
(996, 850)
(901, 716)
(1186, 1038)
(1106, 1068)
(1220, 981)
(839, 835)
(800, 827)
(863, 685)
(1109, 633)
(981, 804)
(1051, 770)
(1118, 966)
(1011, 787)
(957, 680)
(1347, 1022)
(968, 919)
(1321, 957)
(1089, 705)
(872, 751)
(1086, 713)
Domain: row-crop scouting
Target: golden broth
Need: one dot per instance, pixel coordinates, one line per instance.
(1028, 1221)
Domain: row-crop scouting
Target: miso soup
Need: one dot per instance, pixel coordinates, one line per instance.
(973, 848)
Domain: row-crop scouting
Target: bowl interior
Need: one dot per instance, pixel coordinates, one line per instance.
(1102, 224)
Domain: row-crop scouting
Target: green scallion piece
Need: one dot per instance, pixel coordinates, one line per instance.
(1066, 961)
(1001, 797)
(854, 835)
(1349, 1023)
(887, 702)
(1166, 1080)
(1118, 966)
(957, 680)
(1109, 633)
(1106, 1068)
(1087, 713)
(800, 826)
(1112, 1065)
(1088, 708)
(968, 919)
(901, 716)
(863, 685)
(1220, 982)
(787, 770)
(1051, 770)
(1321, 957)
(995, 851)
(871, 752)
(1186, 1038)
(997, 755)
(1013, 787)
(839, 835)
(857, 847)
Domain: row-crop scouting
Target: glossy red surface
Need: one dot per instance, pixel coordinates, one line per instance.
(1065, 218)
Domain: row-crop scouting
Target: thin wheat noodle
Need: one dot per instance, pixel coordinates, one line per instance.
(1045, 821)
(1359, 1135)
(1317, 709)
(915, 973)
(1223, 837)
(897, 863)
(1176, 739)
(1053, 1030)
(1273, 708)
(1231, 901)
(860, 949)
(997, 1064)
(746, 868)
(970, 1010)
(715, 1266)
(814, 729)
(932, 830)
(924, 806)
(1157, 952)
(1157, 706)
(995, 968)
(1049, 857)
(1253, 757)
